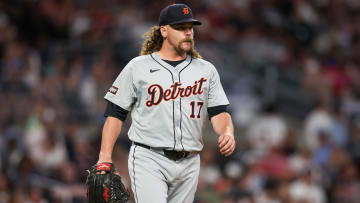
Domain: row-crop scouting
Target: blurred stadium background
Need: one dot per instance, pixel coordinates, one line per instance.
(290, 69)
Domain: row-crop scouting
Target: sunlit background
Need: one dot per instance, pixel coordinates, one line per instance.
(289, 67)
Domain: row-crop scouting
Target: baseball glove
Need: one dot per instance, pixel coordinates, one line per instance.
(104, 185)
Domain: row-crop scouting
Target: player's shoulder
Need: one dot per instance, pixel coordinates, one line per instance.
(138, 62)
(140, 59)
(203, 63)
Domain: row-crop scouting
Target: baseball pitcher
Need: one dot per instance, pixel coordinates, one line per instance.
(170, 92)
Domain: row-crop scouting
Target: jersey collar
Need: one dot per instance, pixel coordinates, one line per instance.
(180, 66)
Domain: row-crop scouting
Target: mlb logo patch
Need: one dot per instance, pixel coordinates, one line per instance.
(113, 89)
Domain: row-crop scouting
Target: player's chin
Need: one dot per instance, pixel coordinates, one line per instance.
(186, 46)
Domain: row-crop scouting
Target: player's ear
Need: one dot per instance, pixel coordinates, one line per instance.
(163, 31)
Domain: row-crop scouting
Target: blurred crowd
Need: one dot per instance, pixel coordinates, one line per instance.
(59, 57)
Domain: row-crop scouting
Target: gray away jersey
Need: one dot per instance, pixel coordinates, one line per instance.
(168, 104)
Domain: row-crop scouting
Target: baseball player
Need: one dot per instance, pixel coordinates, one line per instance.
(170, 92)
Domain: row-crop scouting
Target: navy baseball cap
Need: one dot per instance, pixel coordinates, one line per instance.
(177, 14)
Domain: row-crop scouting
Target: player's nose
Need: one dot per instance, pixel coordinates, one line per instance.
(188, 31)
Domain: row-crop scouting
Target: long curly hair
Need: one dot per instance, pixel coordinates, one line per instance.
(154, 40)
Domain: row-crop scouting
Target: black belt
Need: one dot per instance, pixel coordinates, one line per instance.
(170, 154)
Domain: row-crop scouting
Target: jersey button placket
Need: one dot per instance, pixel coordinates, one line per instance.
(177, 112)
(177, 121)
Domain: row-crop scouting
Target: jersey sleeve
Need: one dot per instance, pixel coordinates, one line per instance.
(217, 94)
(122, 91)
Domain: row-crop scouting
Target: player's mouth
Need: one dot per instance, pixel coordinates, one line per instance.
(186, 44)
(188, 40)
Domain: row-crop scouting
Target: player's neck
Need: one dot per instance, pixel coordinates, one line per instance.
(168, 53)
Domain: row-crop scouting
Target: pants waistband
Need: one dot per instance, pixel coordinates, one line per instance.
(170, 154)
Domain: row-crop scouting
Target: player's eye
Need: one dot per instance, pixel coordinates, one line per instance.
(181, 26)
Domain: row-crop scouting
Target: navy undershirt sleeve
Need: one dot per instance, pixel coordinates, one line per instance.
(116, 111)
(215, 110)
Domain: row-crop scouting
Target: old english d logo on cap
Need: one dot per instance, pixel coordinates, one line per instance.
(185, 11)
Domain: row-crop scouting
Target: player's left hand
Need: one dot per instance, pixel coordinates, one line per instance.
(104, 185)
(226, 144)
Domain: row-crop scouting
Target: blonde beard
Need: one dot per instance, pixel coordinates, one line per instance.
(180, 50)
